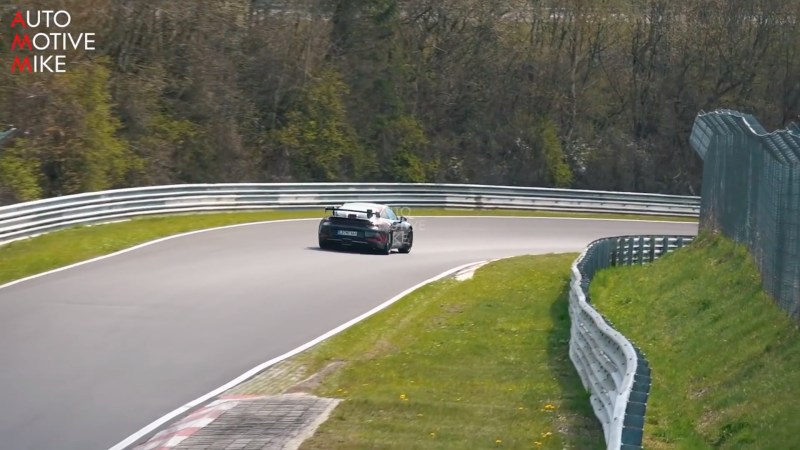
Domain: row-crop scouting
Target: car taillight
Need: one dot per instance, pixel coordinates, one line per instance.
(375, 236)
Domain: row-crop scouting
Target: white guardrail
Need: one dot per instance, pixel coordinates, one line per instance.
(612, 369)
(41, 216)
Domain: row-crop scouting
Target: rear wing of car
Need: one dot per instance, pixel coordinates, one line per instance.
(335, 209)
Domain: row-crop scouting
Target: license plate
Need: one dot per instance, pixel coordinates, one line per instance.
(347, 233)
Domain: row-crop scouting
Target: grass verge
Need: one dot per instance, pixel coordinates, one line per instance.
(480, 363)
(50, 251)
(724, 356)
(31, 256)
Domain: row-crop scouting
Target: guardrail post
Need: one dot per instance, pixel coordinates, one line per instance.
(631, 251)
(640, 256)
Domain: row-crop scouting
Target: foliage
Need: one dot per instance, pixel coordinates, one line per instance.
(19, 172)
(159, 136)
(317, 136)
(72, 133)
(409, 162)
(601, 95)
(96, 158)
(557, 168)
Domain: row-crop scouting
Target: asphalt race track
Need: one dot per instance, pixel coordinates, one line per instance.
(91, 354)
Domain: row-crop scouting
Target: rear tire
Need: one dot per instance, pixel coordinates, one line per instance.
(388, 249)
(324, 245)
(405, 248)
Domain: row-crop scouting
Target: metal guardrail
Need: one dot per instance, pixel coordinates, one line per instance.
(6, 134)
(42, 216)
(612, 369)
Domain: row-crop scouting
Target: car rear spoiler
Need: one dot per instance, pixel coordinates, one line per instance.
(336, 208)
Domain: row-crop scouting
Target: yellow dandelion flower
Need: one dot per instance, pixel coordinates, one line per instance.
(403, 397)
(433, 435)
(548, 434)
(498, 441)
(538, 444)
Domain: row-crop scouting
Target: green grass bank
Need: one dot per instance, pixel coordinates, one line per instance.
(724, 357)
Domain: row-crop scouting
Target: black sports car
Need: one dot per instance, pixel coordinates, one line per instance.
(369, 225)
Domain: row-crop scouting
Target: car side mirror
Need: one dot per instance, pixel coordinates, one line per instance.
(403, 219)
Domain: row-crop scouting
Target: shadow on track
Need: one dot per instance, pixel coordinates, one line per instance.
(347, 250)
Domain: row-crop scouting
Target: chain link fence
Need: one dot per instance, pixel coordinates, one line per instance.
(751, 193)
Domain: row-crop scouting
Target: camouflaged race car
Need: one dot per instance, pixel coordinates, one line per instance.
(366, 225)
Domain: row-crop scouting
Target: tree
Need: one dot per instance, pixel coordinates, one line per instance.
(408, 163)
(317, 137)
(558, 171)
(19, 173)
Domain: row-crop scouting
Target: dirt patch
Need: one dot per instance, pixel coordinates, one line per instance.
(381, 347)
(697, 393)
(274, 380)
(437, 322)
(311, 383)
(575, 426)
(708, 421)
(453, 308)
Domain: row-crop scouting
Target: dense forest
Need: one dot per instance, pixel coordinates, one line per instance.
(596, 94)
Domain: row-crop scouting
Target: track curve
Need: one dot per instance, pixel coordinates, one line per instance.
(93, 353)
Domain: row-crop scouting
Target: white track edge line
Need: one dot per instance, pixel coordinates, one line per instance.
(132, 439)
(146, 244)
(262, 222)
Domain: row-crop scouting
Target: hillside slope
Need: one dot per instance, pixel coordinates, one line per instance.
(724, 356)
